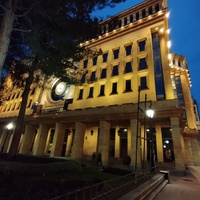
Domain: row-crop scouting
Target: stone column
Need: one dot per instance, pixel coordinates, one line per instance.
(77, 149)
(178, 144)
(69, 144)
(27, 139)
(104, 138)
(195, 149)
(134, 138)
(41, 140)
(117, 143)
(159, 144)
(3, 139)
(58, 140)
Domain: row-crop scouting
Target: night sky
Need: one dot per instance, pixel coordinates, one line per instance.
(184, 24)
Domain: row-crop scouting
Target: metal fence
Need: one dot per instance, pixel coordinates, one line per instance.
(111, 189)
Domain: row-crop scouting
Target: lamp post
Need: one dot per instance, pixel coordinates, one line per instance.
(150, 114)
(9, 127)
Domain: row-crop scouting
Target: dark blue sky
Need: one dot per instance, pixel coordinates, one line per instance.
(184, 23)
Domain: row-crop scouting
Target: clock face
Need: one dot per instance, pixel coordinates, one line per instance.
(59, 90)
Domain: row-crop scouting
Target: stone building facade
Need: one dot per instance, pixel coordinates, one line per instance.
(106, 113)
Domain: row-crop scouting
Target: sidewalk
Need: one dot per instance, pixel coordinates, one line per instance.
(186, 187)
(181, 187)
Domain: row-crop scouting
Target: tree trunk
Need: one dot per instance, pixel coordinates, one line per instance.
(5, 33)
(20, 119)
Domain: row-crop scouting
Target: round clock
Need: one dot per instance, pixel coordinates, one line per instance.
(59, 90)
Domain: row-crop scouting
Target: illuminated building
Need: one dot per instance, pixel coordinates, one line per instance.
(100, 115)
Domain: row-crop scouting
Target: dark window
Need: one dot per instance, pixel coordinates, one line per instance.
(33, 91)
(18, 95)
(143, 13)
(80, 94)
(93, 76)
(128, 67)
(102, 90)
(115, 71)
(143, 82)
(85, 63)
(142, 45)
(114, 88)
(91, 92)
(131, 18)
(125, 21)
(128, 86)
(143, 64)
(94, 60)
(179, 91)
(29, 104)
(105, 57)
(83, 78)
(137, 16)
(120, 23)
(160, 90)
(103, 73)
(128, 50)
(150, 11)
(157, 7)
(116, 53)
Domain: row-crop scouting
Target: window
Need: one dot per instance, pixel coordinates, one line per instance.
(150, 11)
(137, 16)
(141, 45)
(128, 86)
(103, 73)
(143, 13)
(94, 60)
(115, 70)
(105, 57)
(142, 64)
(80, 94)
(131, 18)
(125, 21)
(116, 53)
(83, 78)
(102, 90)
(85, 63)
(114, 88)
(128, 67)
(128, 50)
(33, 91)
(91, 92)
(143, 82)
(93, 76)
(29, 104)
(120, 23)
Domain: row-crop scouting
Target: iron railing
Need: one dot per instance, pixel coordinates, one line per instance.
(111, 189)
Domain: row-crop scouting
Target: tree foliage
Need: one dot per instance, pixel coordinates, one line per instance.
(44, 35)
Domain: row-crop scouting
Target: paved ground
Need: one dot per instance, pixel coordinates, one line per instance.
(182, 187)
(185, 186)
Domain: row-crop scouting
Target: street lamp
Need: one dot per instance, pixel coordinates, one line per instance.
(9, 127)
(150, 114)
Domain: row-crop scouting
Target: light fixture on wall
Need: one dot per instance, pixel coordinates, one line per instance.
(91, 132)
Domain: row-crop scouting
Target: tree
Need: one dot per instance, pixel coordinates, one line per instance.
(48, 37)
